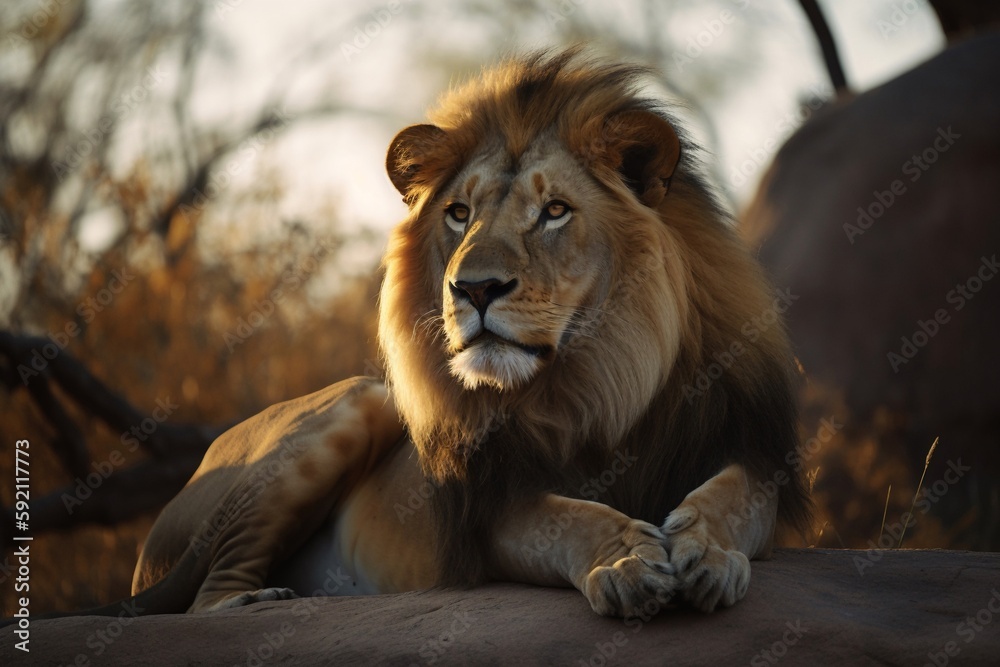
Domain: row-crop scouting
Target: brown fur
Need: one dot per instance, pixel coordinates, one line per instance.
(678, 290)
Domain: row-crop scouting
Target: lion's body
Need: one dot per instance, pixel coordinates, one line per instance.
(578, 346)
(267, 485)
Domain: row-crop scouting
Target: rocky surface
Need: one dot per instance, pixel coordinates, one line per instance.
(804, 607)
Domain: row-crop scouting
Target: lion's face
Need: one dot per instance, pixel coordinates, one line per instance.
(535, 275)
(522, 261)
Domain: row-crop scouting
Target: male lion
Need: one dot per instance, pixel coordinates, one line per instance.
(577, 346)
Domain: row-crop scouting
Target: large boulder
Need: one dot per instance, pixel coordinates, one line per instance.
(881, 215)
(805, 607)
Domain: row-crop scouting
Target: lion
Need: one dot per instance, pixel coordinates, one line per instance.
(581, 388)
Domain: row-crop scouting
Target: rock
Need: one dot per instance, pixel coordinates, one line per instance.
(804, 607)
(880, 216)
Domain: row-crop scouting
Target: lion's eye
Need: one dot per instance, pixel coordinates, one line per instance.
(555, 214)
(457, 216)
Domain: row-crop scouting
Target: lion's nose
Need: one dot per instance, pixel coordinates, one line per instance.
(482, 292)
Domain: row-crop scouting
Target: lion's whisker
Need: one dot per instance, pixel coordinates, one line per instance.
(426, 322)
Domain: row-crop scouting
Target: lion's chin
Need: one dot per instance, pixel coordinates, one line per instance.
(494, 363)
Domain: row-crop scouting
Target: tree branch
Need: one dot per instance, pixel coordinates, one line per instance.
(105, 496)
(828, 46)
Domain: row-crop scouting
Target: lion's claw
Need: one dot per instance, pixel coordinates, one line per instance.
(250, 597)
(710, 575)
(638, 584)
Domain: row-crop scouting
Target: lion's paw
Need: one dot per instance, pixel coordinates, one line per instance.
(638, 572)
(250, 597)
(710, 574)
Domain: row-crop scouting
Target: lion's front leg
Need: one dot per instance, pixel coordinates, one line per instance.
(714, 533)
(618, 563)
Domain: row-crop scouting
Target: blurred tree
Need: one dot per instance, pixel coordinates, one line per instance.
(106, 172)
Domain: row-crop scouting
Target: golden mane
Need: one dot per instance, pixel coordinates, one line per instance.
(683, 293)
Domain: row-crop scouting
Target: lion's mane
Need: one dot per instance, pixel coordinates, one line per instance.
(683, 291)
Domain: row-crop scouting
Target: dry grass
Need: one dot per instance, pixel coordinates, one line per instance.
(163, 336)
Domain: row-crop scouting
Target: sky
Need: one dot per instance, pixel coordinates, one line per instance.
(338, 164)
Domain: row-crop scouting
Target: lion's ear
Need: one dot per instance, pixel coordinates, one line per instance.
(409, 152)
(644, 149)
